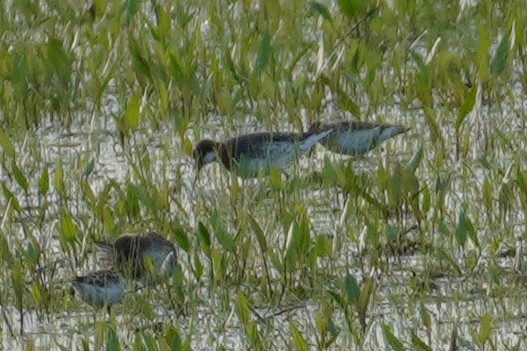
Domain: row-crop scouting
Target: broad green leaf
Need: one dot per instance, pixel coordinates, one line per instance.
(482, 53)
(339, 299)
(198, 267)
(36, 293)
(468, 105)
(225, 240)
(141, 65)
(419, 344)
(392, 340)
(43, 184)
(112, 341)
(352, 8)
(464, 228)
(275, 178)
(425, 316)
(150, 343)
(299, 342)
(131, 8)
(19, 176)
(260, 236)
(431, 121)
(59, 60)
(17, 279)
(142, 196)
(6, 144)
(181, 237)
(58, 180)
(173, 338)
(68, 228)
(89, 167)
(204, 237)
(368, 287)
(499, 61)
(11, 199)
(242, 307)
(352, 289)
(323, 246)
(132, 113)
(264, 54)
(415, 161)
(5, 253)
(485, 329)
(217, 264)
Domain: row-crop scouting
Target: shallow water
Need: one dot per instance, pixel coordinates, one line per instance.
(454, 299)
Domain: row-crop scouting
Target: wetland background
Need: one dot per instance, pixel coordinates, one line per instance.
(417, 245)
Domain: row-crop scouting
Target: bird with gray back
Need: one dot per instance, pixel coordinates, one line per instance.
(100, 288)
(144, 257)
(253, 154)
(355, 138)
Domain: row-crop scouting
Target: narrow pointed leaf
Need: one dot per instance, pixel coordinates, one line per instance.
(499, 61)
(395, 344)
(5, 143)
(352, 289)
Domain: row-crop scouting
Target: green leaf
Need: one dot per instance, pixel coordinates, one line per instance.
(89, 168)
(299, 342)
(142, 196)
(321, 9)
(352, 8)
(431, 121)
(225, 240)
(173, 338)
(394, 343)
(68, 228)
(17, 279)
(467, 106)
(141, 65)
(494, 274)
(59, 60)
(264, 53)
(131, 8)
(11, 198)
(132, 113)
(323, 246)
(499, 61)
(58, 180)
(242, 307)
(352, 289)
(150, 342)
(112, 341)
(482, 53)
(347, 104)
(464, 228)
(417, 157)
(19, 176)
(425, 317)
(485, 329)
(43, 184)
(260, 236)
(368, 287)
(6, 144)
(204, 237)
(419, 344)
(181, 237)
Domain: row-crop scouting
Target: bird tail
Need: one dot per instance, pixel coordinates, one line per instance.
(389, 131)
(309, 139)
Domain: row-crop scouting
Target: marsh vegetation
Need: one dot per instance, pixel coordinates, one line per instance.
(416, 245)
